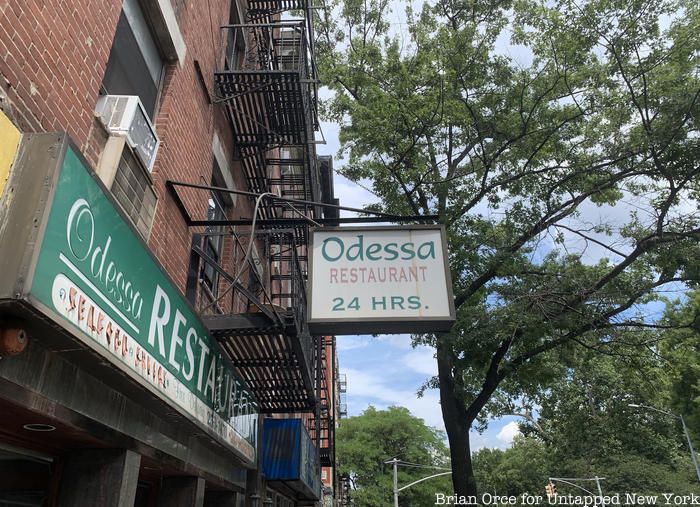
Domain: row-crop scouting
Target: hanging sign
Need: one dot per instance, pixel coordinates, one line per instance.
(380, 280)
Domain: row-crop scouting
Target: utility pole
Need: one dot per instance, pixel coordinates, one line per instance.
(395, 462)
(690, 445)
(600, 490)
(571, 481)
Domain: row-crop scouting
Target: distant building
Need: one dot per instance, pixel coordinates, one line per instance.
(333, 409)
(150, 328)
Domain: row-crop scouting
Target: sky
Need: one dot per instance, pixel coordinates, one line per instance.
(385, 370)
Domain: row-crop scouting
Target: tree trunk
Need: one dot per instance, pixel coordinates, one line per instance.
(457, 425)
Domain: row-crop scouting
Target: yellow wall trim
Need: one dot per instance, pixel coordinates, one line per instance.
(9, 142)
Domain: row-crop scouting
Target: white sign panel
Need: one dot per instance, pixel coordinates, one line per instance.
(380, 280)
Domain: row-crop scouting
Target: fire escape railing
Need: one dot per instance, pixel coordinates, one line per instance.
(237, 295)
(265, 9)
(270, 90)
(258, 319)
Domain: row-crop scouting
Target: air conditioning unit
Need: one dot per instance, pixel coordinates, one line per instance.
(124, 115)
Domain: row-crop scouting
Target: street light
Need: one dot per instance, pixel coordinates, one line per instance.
(685, 430)
(396, 462)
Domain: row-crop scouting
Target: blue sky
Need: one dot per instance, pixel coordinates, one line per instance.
(385, 370)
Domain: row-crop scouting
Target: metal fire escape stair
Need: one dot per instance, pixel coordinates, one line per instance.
(270, 345)
(326, 421)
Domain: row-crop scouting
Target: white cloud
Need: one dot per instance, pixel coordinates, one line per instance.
(399, 341)
(350, 342)
(365, 388)
(421, 360)
(380, 389)
(508, 432)
(344, 343)
(493, 438)
(351, 195)
(480, 441)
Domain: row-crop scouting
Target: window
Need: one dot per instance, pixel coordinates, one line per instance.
(133, 190)
(289, 48)
(213, 245)
(235, 43)
(135, 66)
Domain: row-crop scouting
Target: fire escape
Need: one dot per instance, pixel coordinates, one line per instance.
(266, 82)
(322, 428)
(270, 94)
(342, 388)
(256, 305)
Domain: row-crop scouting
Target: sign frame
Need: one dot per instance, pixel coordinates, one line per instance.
(382, 325)
(47, 154)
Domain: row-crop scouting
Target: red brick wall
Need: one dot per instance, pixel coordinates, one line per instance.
(185, 123)
(53, 55)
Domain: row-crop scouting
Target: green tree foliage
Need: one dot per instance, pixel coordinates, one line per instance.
(681, 349)
(586, 428)
(602, 109)
(366, 441)
(522, 468)
(592, 430)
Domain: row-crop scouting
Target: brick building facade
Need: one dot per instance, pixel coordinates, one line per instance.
(152, 358)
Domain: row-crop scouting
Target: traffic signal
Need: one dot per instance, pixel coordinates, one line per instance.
(551, 489)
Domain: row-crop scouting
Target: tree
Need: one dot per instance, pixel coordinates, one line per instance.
(592, 430)
(510, 155)
(366, 441)
(522, 468)
(681, 349)
(586, 428)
